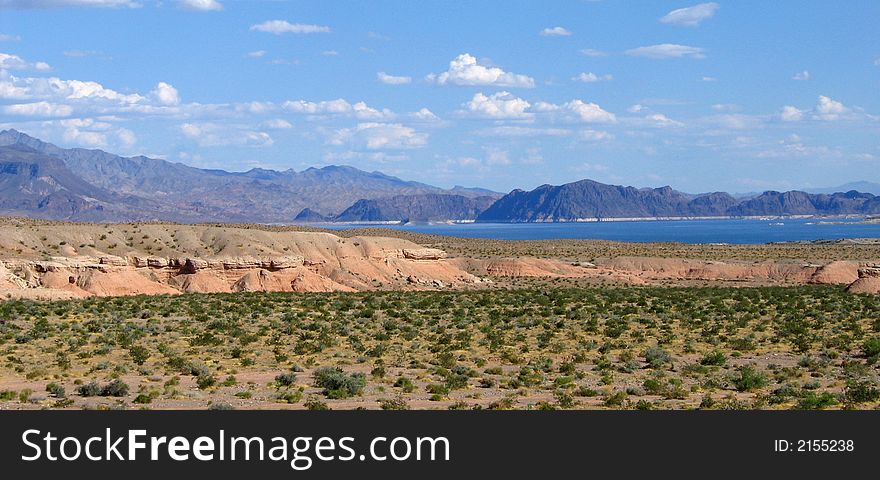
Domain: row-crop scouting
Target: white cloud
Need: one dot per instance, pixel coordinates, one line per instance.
(392, 79)
(364, 112)
(533, 157)
(877, 62)
(555, 32)
(545, 107)
(5, 37)
(798, 149)
(257, 54)
(23, 4)
(592, 52)
(203, 5)
(283, 61)
(667, 50)
(465, 70)
(791, 114)
(499, 105)
(324, 107)
(595, 135)
(165, 94)
(12, 62)
(191, 130)
(589, 112)
(221, 135)
(517, 131)
(425, 115)
(9, 61)
(660, 120)
(590, 77)
(38, 109)
(80, 53)
(279, 27)
(828, 109)
(497, 156)
(380, 136)
(77, 89)
(735, 121)
(725, 107)
(339, 106)
(56, 89)
(276, 124)
(330, 53)
(690, 16)
(591, 167)
(801, 76)
(635, 108)
(126, 137)
(257, 108)
(708, 79)
(467, 162)
(74, 135)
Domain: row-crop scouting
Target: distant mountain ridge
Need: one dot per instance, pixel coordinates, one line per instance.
(587, 199)
(180, 192)
(860, 186)
(416, 208)
(39, 179)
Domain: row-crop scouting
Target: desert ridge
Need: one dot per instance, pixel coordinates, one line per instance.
(210, 259)
(46, 260)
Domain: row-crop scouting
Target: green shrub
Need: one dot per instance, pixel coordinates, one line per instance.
(616, 399)
(205, 381)
(563, 399)
(657, 357)
(116, 388)
(871, 348)
(55, 390)
(139, 354)
(143, 399)
(748, 378)
(314, 403)
(25, 395)
(338, 384)
(586, 392)
(289, 396)
(405, 384)
(714, 359)
(91, 389)
(285, 379)
(437, 389)
(814, 401)
(860, 391)
(397, 403)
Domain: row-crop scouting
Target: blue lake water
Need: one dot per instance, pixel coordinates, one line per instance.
(685, 231)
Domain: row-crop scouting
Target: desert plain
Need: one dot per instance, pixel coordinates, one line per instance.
(174, 316)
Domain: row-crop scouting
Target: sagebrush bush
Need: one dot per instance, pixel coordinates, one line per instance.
(657, 357)
(285, 379)
(338, 384)
(748, 378)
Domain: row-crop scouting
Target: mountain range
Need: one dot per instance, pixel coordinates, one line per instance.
(41, 180)
(588, 200)
(106, 187)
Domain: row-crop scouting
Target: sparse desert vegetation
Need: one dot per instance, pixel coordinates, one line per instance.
(802, 347)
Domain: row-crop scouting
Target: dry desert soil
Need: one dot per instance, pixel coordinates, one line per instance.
(170, 316)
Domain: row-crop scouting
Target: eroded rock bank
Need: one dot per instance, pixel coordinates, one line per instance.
(321, 263)
(868, 281)
(68, 261)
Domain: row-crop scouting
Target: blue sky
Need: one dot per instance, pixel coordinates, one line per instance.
(737, 96)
